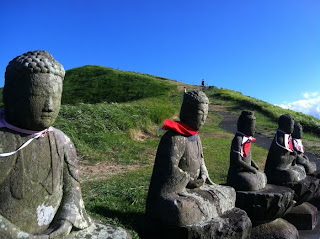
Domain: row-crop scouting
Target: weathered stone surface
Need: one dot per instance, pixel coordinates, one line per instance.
(315, 200)
(234, 224)
(100, 231)
(181, 194)
(303, 216)
(266, 204)
(276, 229)
(304, 189)
(40, 195)
(243, 172)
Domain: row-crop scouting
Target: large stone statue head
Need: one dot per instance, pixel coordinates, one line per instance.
(194, 109)
(297, 131)
(286, 123)
(247, 123)
(32, 90)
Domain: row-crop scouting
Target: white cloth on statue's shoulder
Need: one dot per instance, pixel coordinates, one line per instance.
(35, 134)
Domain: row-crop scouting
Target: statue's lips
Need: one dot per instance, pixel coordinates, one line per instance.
(47, 115)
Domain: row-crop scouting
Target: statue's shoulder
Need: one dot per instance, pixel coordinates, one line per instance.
(173, 138)
(7, 135)
(238, 139)
(61, 137)
(65, 143)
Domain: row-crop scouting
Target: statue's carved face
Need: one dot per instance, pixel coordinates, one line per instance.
(202, 116)
(38, 105)
(194, 115)
(249, 126)
(286, 123)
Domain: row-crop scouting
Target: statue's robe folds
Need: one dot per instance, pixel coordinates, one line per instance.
(172, 200)
(39, 184)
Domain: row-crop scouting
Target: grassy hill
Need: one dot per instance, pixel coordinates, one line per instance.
(97, 84)
(117, 142)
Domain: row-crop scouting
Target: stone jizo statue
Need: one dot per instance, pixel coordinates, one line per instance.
(243, 174)
(281, 166)
(181, 193)
(40, 195)
(301, 158)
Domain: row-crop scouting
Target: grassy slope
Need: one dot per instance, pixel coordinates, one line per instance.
(97, 84)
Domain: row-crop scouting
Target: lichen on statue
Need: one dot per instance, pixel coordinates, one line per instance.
(301, 158)
(244, 174)
(280, 166)
(181, 192)
(40, 195)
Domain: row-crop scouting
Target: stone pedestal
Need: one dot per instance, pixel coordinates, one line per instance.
(266, 204)
(100, 231)
(234, 224)
(303, 216)
(276, 229)
(317, 162)
(304, 189)
(315, 201)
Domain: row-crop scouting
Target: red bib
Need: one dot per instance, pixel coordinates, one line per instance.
(178, 127)
(246, 143)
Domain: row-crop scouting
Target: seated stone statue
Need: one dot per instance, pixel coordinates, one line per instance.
(301, 158)
(280, 166)
(181, 192)
(243, 174)
(40, 195)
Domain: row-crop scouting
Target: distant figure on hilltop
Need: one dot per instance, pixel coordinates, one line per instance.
(40, 195)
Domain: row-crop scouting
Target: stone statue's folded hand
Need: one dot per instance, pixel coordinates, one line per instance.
(294, 153)
(59, 229)
(207, 179)
(196, 183)
(256, 167)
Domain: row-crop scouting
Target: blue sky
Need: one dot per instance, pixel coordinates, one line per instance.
(265, 49)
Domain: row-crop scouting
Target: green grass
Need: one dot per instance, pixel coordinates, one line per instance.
(120, 200)
(97, 84)
(107, 131)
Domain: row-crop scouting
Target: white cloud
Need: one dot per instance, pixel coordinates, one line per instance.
(310, 105)
(308, 95)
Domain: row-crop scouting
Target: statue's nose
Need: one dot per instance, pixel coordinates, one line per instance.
(48, 105)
